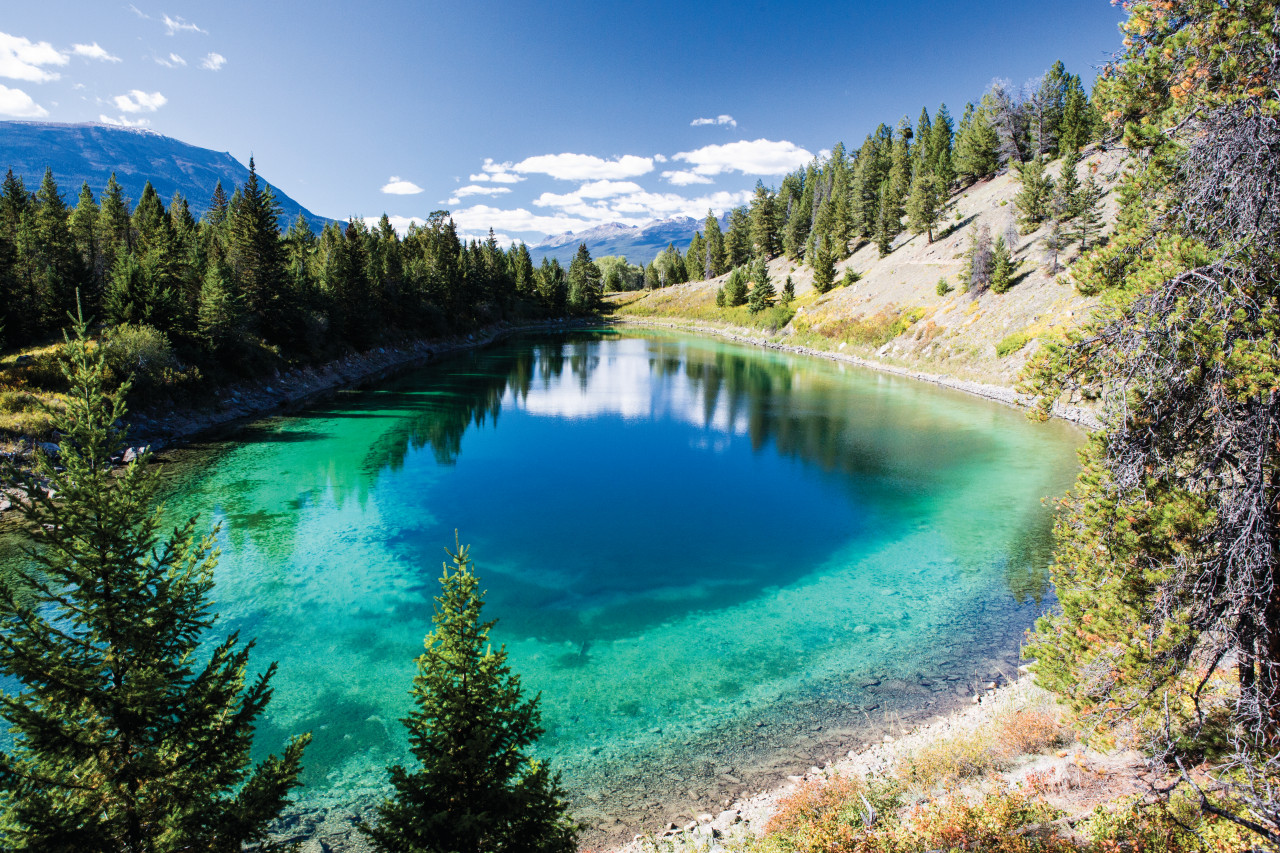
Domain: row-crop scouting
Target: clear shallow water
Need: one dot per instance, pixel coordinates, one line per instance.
(683, 540)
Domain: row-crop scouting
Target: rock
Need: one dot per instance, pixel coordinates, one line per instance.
(887, 739)
(862, 629)
(705, 818)
(23, 361)
(132, 453)
(49, 448)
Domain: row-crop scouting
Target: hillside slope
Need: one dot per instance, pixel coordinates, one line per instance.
(893, 314)
(80, 153)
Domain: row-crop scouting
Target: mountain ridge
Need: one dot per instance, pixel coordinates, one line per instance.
(88, 152)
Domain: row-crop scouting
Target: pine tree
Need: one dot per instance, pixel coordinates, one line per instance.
(1088, 210)
(584, 282)
(824, 270)
(475, 790)
(715, 247)
(735, 288)
(764, 222)
(788, 291)
(1001, 267)
(1035, 196)
(256, 255)
(889, 223)
(737, 242)
(977, 274)
(1066, 193)
(762, 292)
(123, 741)
(976, 156)
(924, 205)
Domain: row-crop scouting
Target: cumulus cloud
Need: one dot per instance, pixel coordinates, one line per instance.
(718, 120)
(402, 223)
(395, 186)
(756, 157)
(472, 189)
(122, 121)
(22, 59)
(174, 61)
(173, 26)
(17, 103)
(138, 101)
(93, 51)
(213, 62)
(481, 217)
(585, 167)
(684, 177)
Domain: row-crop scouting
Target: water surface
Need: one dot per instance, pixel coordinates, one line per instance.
(699, 553)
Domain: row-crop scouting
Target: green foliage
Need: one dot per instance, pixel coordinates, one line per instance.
(762, 293)
(123, 739)
(735, 288)
(1035, 197)
(1001, 267)
(475, 789)
(584, 283)
(824, 270)
(944, 287)
(925, 204)
(1013, 342)
(788, 291)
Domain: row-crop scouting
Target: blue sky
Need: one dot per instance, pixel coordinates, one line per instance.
(532, 118)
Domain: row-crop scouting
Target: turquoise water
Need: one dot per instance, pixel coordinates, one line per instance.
(681, 539)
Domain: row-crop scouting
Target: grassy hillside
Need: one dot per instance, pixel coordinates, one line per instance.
(893, 313)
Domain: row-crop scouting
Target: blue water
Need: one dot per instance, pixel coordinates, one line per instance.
(685, 542)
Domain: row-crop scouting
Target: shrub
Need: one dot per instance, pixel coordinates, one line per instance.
(1012, 343)
(944, 287)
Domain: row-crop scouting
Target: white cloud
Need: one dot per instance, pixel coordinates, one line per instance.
(758, 157)
(684, 178)
(213, 62)
(122, 121)
(178, 25)
(395, 186)
(718, 120)
(505, 178)
(17, 103)
(463, 192)
(174, 61)
(481, 217)
(141, 14)
(93, 51)
(138, 101)
(21, 59)
(585, 167)
(658, 158)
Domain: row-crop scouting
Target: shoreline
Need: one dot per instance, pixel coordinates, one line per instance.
(1003, 394)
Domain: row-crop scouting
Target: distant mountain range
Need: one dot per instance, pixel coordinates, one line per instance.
(640, 244)
(91, 152)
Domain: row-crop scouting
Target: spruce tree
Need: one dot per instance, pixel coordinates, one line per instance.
(475, 789)
(1001, 267)
(735, 288)
(1035, 196)
(824, 270)
(762, 292)
(1066, 194)
(1088, 210)
(122, 739)
(584, 282)
(924, 205)
(788, 291)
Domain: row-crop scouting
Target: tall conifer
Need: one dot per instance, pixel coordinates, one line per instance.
(123, 739)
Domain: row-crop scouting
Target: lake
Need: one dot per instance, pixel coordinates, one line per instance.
(718, 564)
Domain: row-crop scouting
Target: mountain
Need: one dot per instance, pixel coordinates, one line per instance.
(640, 244)
(91, 152)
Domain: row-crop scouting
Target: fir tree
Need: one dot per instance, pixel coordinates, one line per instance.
(584, 282)
(735, 288)
(1001, 267)
(1066, 193)
(762, 292)
(1088, 211)
(123, 741)
(976, 145)
(788, 291)
(764, 222)
(475, 790)
(924, 205)
(1034, 198)
(715, 247)
(824, 270)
